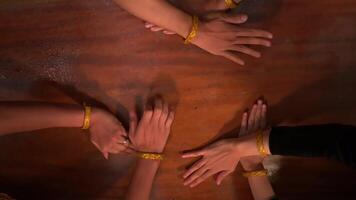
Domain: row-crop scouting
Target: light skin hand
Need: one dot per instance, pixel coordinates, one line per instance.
(209, 6)
(151, 133)
(222, 157)
(250, 124)
(220, 34)
(107, 133)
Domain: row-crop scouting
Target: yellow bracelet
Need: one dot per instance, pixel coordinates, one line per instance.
(230, 4)
(194, 31)
(263, 172)
(151, 156)
(87, 112)
(260, 147)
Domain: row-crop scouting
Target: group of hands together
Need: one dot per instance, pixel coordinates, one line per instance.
(150, 134)
(221, 33)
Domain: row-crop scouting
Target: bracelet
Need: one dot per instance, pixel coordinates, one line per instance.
(87, 112)
(194, 31)
(230, 4)
(151, 156)
(260, 147)
(263, 172)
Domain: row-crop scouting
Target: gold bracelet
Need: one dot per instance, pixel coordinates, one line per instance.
(230, 4)
(263, 172)
(194, 31)
(87, 112)
(151, 156)
(260, 146)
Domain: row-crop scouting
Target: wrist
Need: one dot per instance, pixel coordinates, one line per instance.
(249, 165)
(67, 116)
(184, 25)
(151, 150)
(96, 114)
(246, 146)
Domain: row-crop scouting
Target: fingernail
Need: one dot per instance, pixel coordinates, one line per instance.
(270, 36)
(244, 17)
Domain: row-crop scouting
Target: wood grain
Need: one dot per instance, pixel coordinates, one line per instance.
(71, 51)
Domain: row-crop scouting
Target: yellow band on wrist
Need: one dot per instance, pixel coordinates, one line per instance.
(260, 146)
(86, 122)
(230, 4)
(263, 172)
(194, 31)
(151, 156)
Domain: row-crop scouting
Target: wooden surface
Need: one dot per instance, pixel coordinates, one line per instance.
(71, 51)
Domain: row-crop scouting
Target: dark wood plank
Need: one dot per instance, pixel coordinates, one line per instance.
(70, 51)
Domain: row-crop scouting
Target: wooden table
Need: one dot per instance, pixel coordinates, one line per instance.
(74, 51)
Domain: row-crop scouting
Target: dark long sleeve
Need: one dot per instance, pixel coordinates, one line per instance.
(333, 141)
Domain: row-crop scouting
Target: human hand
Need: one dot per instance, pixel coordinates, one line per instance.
(107, 133)
(250, 124)
(206, 5)
(222, 157)
(151, 133)
(219, 34)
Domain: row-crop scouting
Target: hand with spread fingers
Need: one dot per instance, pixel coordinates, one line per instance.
(151, 133)
(222, 157)
(221, 34)
(107, 133)
(250, 123)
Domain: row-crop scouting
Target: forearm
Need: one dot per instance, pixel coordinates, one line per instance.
(332, 141)
(160, 13)
(260, 186)
(142, 180)
(28, 116)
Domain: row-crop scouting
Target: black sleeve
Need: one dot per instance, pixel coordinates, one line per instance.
(333, 141)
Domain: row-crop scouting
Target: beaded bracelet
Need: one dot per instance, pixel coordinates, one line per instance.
(230, 4)
(87, 113)
(151, 156)
(194, 31)
(263, 172)
(260, 146)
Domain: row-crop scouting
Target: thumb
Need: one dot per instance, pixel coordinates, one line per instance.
(221, 176)
(234, 18)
